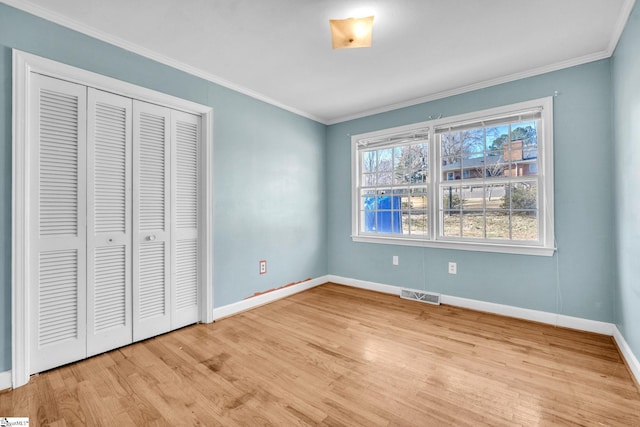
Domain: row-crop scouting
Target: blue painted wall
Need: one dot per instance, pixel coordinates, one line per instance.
(577, 281)
(283, 185)
(626, 119)
(269, 167)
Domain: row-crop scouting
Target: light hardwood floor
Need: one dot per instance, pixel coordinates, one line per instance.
(334, 355)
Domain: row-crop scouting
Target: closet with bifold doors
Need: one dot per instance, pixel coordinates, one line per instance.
(114, 207)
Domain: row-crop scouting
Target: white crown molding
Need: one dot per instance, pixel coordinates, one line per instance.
(477, 86)
(59, 19)
(621, 23)
(5, 380)
(627, 354)
(253, 302)
(100, 35)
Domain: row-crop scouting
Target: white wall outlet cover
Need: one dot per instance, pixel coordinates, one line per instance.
(453, 268)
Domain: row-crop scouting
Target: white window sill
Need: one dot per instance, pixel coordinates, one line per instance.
(463, 246)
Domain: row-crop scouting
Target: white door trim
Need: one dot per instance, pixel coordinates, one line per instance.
(23, 65)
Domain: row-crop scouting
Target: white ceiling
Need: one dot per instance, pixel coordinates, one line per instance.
(280, 50)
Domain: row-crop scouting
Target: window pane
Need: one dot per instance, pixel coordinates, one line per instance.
(526, 132)
(418, 202)
(400, 176)
(496, 136)
(420, 158)
(419, 223)
(450, 146)
(498, 224)
(419, 176)
(472, 197)
(383, 199)
(495, 164)
(405, 222)
(369, 161)
(402, 165)
(451, 168)
(385, 163)
(524, 225)
(419, 163)
(473, 167)
(365, 225)
(531, 168)
(451, 197)
(472, 142)
(451, 223)
(494, 196)
(368, 203)
(473, 224)
(450, 160)
(524, 196)
(402, 158)
(512, 169)
(513, 151)
(385, 178)
(369, 179)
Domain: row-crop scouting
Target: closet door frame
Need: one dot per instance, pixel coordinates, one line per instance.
(24, 64)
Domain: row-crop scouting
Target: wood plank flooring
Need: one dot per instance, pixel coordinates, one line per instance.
(337, 356)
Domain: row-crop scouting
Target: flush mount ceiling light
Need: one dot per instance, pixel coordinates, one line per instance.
(351, 32)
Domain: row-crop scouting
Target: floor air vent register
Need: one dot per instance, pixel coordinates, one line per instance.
(421, 296)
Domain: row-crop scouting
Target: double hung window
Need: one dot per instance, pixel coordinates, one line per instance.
(479, 181)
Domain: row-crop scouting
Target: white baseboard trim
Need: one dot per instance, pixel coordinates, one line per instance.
(5, 380)
(533, 315)
(249, 303)
(489, 307)
(631, 359)
(363, 284)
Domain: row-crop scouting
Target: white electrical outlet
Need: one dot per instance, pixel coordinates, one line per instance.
(453, 268)
(263, 267)
(395, 260)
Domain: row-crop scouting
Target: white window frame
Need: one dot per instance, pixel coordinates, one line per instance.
(23, 65)
(545, 246)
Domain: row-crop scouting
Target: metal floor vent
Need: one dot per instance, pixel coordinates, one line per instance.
(421, 296)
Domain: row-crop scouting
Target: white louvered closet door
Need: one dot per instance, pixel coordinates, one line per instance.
(109, 221)
(151, 220)
(57, 290)
(185, 132)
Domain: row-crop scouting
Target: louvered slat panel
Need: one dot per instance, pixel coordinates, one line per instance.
(110, 168)
(58, 299)
(186, 274)
(58, 164)
(152, 172)
(110, 283)
(152, 280)
(109, 155)
(187, 175)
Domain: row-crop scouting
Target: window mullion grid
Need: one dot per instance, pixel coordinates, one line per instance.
(484, 183)
(487, 209)
(433, 191)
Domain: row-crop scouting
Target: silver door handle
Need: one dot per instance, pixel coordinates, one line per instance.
(151, 238)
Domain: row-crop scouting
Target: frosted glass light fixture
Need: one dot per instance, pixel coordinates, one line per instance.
(351, 32)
